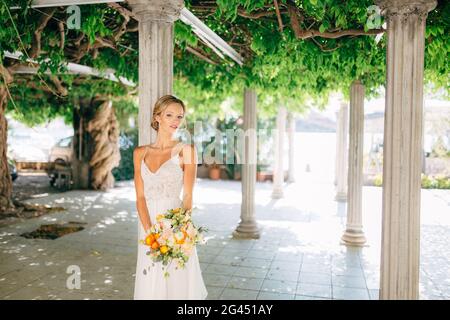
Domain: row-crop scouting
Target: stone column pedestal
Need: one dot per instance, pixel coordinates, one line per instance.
(248, 227)
(354, 234)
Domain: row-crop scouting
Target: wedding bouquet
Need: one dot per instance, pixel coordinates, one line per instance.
(173, 237)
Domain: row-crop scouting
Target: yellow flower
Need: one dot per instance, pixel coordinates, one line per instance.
(177, 210)
(163, 249)
(159, 217)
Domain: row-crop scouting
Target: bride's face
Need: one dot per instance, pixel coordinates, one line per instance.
(171, 118)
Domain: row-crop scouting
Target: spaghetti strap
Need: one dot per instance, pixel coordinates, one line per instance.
(180, 149)
(143, 157)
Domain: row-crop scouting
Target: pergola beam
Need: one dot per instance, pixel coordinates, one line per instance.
(57, 3)
(73, 68)
(204, 32)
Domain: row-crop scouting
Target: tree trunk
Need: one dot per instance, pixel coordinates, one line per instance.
(104, 130)
(10, 207)
(95, 144)
(81, 144)
(5, 176)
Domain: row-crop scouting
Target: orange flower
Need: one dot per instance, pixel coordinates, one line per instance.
(149, 239)
(155, 245)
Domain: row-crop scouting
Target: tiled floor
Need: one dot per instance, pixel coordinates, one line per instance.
(298, 255)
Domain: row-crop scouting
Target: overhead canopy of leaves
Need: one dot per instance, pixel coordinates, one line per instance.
(282, 62)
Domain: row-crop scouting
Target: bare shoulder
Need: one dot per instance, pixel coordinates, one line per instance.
(188, 150)
(189, 153)
(138, 151)
(187, 147)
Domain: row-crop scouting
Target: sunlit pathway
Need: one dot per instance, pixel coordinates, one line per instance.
(297, 257)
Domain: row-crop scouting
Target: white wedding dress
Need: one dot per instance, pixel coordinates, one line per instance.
(162, 191)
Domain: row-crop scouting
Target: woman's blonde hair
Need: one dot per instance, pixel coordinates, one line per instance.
(161, 105)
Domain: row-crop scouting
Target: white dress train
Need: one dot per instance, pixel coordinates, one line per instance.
(162, 191)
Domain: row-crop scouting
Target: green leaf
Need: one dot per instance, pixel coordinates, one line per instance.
(322, 28)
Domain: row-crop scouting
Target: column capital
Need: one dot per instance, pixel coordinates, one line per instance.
(157, 10)
(405, 8)
(357, 82)
(356, 88)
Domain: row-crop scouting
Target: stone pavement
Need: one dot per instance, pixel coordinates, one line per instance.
(297, 257)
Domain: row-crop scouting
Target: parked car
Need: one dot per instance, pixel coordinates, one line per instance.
(12, 169)
(59, 155)
(61, 152)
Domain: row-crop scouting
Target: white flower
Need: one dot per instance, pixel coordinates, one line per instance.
(186, 249)
(191, 231)
(167, 224)
(170, 242)
(179, 235)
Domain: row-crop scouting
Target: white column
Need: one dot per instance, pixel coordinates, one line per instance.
(278, 172)
(402, 147)
(354, 234)
(336, 164)
(424, 159)
(156, 19)
(341, 153)
(248, 227)
(291, 135)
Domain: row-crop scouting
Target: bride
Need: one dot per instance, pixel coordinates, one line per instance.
(161, 171)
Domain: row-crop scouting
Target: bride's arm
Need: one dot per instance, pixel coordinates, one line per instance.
(141, 204)
(190, 174)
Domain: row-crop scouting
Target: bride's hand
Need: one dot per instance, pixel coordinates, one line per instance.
(147, 230)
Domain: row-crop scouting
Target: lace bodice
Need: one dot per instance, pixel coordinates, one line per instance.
(166, 182)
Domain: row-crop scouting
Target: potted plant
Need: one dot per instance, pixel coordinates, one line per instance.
(214, 171)
(214, 168)
(262, 173)
(233, 171)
